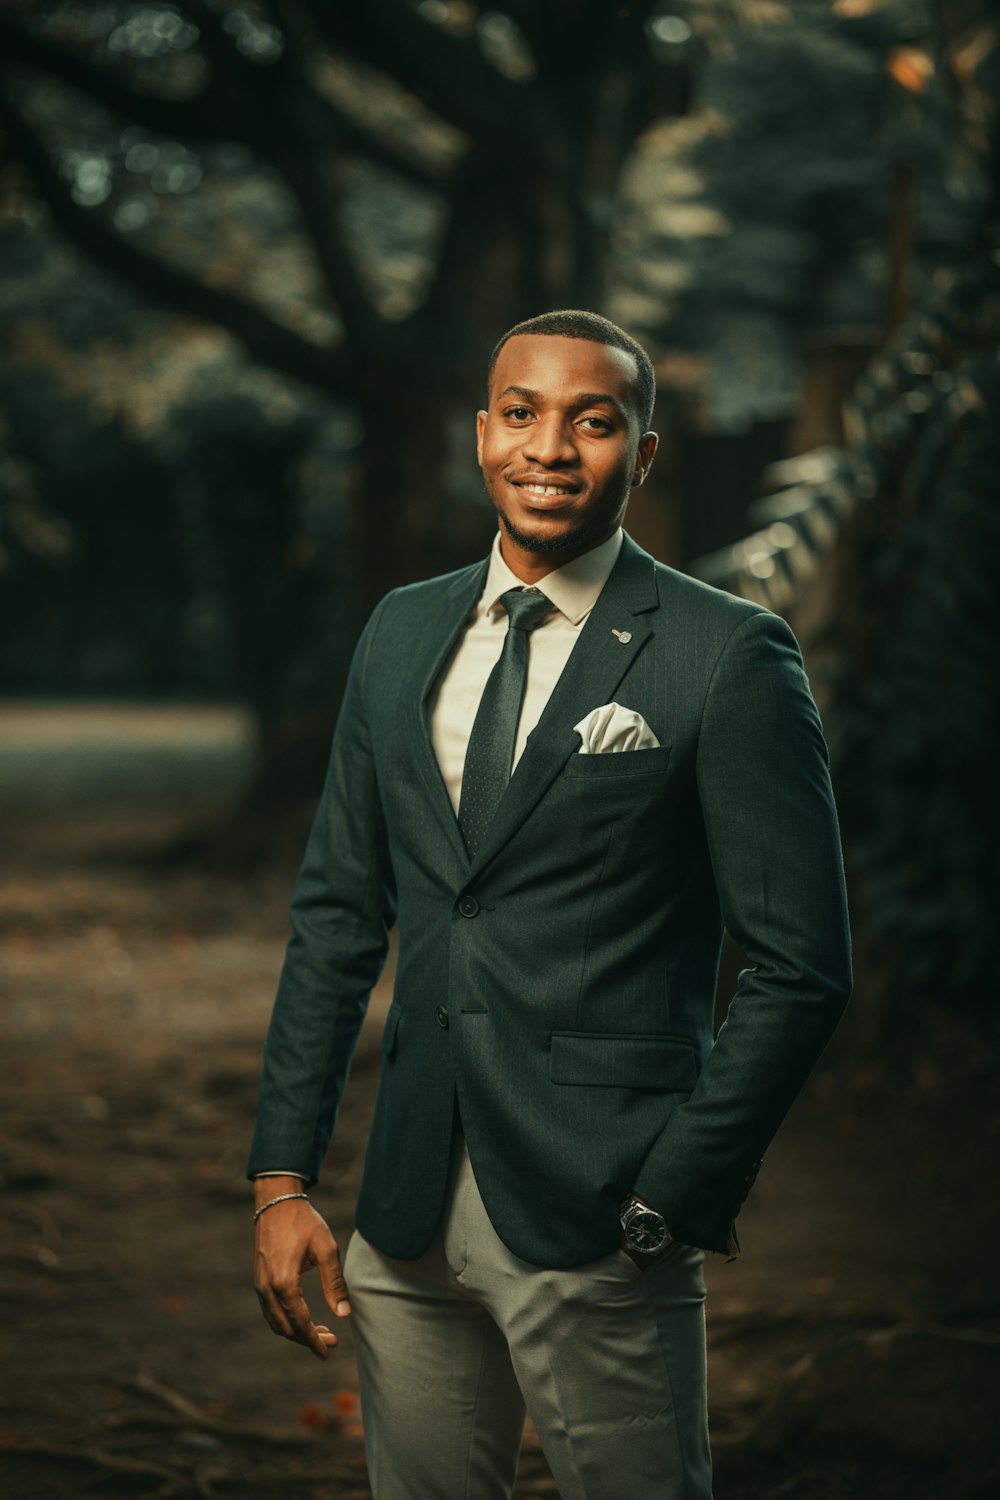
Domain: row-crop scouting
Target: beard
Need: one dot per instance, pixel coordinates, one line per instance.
(578, 539)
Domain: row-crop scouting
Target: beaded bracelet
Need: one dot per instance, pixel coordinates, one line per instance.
(284, 1198)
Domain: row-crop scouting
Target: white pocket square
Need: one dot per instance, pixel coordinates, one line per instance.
(612, 727)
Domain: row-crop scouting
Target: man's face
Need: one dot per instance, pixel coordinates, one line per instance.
(560, 446)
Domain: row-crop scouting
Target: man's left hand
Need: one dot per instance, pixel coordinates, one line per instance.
(645, 1261)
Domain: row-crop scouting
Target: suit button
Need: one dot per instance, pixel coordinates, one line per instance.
(468, 906)
(442, 1017)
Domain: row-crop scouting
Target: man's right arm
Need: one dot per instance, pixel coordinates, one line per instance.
(342, 908)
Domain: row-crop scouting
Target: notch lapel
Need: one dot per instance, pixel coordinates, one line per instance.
(596, 665)
(459, 601)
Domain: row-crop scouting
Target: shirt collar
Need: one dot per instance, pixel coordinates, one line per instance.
(574, 588)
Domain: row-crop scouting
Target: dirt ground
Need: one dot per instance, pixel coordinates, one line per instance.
(854, 1346)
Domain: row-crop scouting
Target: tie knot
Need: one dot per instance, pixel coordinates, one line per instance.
(525, 610)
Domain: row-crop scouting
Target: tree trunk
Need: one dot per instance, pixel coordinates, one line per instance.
(417, 512)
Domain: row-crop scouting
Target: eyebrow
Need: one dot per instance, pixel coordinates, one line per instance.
(586, 398)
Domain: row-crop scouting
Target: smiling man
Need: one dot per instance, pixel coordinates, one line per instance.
(562, 444)
(563, 770)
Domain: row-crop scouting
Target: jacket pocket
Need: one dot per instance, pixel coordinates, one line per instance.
(666, 1063)
(615, 763)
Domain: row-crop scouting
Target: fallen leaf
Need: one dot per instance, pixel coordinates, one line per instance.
(312, 1416)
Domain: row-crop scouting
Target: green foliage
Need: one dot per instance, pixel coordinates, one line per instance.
(770, 203)
(914, 712)
(911, 700)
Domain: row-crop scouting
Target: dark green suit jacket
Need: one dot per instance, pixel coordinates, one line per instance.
(562, 982)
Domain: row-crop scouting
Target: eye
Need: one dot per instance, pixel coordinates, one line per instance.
(517, 413)
(597, 424)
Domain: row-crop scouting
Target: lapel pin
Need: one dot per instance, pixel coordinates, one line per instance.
(623, 635)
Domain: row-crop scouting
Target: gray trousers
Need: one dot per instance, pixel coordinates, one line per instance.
(608, 1359)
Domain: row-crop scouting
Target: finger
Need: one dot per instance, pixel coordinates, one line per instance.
(304, 1331)
(264, 1286)
(273, 1315)
(319, 1339)
(331, 1275)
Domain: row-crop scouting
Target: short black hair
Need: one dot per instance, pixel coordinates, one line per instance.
(575, 323)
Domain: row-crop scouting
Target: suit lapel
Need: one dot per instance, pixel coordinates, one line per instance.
(597, 664)
(460, 599)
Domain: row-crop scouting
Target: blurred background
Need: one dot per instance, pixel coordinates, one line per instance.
(253, 259)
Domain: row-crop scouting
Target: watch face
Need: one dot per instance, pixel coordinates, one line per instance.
(646, 1231)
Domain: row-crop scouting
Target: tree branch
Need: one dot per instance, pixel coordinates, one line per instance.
(214, 115)
(307, 123)
(446, 70)
(319, 200)
(299, 149)
(261, 335)
(191, 119)
(352, 138)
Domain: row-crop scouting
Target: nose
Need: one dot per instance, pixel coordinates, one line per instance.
(550, 442)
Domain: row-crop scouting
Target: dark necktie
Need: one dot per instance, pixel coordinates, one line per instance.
(490, 754)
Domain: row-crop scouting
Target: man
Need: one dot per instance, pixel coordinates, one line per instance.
(557, 1140)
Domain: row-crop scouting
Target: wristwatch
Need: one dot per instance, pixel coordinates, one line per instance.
(645, 1230)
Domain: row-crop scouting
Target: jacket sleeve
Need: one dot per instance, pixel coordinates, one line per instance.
(342, 908)
(773, 839)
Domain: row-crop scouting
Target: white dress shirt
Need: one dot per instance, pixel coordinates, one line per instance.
(573, 589)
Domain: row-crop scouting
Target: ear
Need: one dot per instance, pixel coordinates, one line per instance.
(644, 457)
(480, 429)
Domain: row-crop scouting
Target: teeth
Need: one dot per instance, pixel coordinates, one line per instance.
(545, 489)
